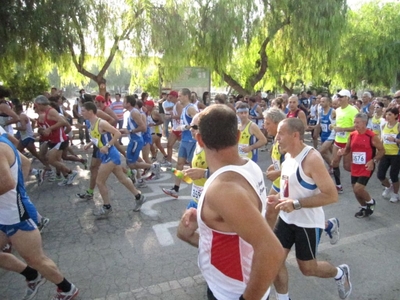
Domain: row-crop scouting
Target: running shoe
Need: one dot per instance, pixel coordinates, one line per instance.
(139, 203)
(132, 175)
(141, 183)
(394, 198)
(102, 212)
(344, 284)
(371, 207)
(333, 230)
(171, 192)
(60, 295)
(33, 287)
(362, 213)
(387, 192)
(40, 177)
(166, 164)
(64, 182)
(71, 177)
(7, 248)
(43, 223)
(339, 189)
(85, 196)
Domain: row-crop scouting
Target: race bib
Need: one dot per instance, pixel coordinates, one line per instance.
(385, 139)
(341, 134)
(375, 126)
(196, 191)
(95, 141)
(324, 127)
(241, 147)
(359, 158)
(276, 165)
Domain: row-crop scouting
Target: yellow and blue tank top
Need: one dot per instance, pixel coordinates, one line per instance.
(376, 125)
(247, 139)
(98, 139)
(277, 159)
(391, 148)
(198, 161)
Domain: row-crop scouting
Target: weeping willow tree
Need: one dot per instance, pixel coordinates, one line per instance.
(247, 43)
(27, 43)
(370, 47)
(241, 40)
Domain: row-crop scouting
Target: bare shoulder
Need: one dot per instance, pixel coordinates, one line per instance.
(6, 153)
(313, 162)
(232, 186)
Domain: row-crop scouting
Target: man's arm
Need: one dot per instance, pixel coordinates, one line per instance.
(112, 114)
(302, 116)
(9, 112)
(6, 159)
(102, 115)
(188, 226)
(54, 116)
(22, 120)
(244, 206)
(314, 167)
(261, 139)
(377, 143)
(106, 127)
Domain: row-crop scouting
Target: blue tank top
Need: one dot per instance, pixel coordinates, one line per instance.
(186, 120)
(325, 121)
(137, 136)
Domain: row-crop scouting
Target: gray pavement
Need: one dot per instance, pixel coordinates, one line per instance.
(136, 255)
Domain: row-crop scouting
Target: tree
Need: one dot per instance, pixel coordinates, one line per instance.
(280, 36)
(370, 47)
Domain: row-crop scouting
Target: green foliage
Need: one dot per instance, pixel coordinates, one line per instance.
(26, 86)
(370, 47)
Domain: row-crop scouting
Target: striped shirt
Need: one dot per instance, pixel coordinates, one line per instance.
(118, 108)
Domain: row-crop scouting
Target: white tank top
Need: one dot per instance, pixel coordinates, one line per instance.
(296, 185)
(15, 203)
(175, 123)
(28, 133)
(225, 258)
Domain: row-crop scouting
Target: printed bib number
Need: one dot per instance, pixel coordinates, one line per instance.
(196, 191)
(241, 151)
(386, 141)
(324, 127)
(375, 126)
(359, 158)
(276, 165)
(341, 134)
(95, 141)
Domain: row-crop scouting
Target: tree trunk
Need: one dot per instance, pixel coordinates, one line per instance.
(234, 84)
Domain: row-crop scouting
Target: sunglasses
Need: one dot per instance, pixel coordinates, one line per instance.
(195, 127)
(398, 97)
(341, 96)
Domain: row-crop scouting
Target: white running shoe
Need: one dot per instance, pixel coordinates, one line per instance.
(387, 192)
(394, 198)
(344, 284)
(71, 177)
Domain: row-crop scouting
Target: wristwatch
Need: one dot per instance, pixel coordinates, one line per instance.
(296, 204)
(108, 145)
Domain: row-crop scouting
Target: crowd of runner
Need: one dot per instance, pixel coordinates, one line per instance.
(364, 134)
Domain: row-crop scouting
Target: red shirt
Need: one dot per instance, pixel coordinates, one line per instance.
(362, 151)
(57, 135)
